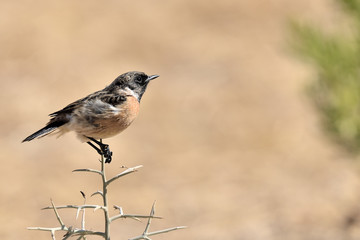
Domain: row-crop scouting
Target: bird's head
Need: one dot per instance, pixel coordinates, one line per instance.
(133, 81)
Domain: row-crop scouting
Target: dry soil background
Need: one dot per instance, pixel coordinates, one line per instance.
(230, 145)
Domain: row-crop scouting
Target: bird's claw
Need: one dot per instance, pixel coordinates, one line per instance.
(107, 153)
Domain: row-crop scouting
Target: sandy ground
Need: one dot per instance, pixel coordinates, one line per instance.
(231, 146)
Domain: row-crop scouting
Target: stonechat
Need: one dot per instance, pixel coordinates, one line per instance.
(101, 114)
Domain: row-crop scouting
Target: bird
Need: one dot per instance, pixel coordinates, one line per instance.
(102, 114)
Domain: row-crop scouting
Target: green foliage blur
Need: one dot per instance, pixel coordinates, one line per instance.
(336, 90)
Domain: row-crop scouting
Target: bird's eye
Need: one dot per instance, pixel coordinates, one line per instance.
(138, 79)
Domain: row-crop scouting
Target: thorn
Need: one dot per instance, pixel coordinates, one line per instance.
(83, 194)
(77, 212)
(119, 208)
(97, 192)
(98, 207)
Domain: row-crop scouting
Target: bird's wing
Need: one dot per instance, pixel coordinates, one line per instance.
(103, 97)
(104, 104)
(72, 106)
(113, 99)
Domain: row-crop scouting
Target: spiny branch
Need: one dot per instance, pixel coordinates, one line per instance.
(95, 207)
(126, 172)
(82, 233)
(146, 232)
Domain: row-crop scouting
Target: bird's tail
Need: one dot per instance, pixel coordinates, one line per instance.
(41, 133)
(49, 128)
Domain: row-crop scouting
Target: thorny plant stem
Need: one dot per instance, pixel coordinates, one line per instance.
(104, 195)
(82, 233)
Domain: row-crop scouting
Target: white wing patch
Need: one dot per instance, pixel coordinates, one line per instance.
(100, 107)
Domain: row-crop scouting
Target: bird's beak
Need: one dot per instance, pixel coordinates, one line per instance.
(152, 77)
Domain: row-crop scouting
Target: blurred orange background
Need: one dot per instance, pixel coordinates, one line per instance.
(231, 146)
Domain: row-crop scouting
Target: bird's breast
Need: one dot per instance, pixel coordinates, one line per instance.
(123, 115)
(127, 111)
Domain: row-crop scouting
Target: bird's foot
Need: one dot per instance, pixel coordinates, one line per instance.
(104, 149)
(106, 153)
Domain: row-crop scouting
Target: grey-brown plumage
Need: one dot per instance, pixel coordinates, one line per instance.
(101, 114)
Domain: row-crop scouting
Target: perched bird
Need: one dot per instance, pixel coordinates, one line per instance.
(101, 114)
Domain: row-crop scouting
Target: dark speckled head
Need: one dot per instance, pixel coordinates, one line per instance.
(136, 81)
